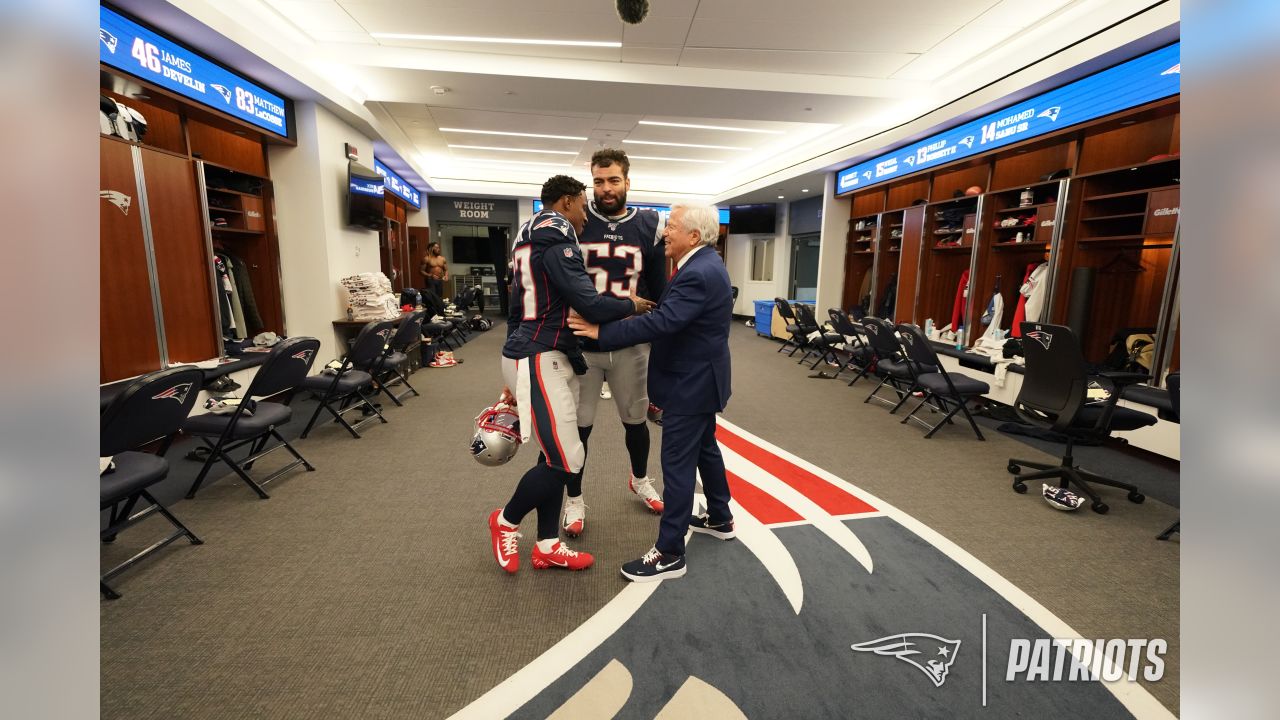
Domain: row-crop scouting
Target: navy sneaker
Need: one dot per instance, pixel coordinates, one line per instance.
(703, 524)
(655, 565)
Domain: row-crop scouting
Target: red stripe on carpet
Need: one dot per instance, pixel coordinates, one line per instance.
(830, 498)
(759, 504)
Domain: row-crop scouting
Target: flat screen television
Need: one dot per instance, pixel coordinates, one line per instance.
(365, 206)
(748, 219)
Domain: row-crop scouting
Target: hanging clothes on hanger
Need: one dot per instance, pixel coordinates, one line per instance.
(991, 318)
(223, 278)
(890, 297)
(237, 310)
(962, 293)
(1034, 290)
(864, 291)
(244, 287)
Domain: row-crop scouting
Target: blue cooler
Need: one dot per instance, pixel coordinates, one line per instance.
(764, 317)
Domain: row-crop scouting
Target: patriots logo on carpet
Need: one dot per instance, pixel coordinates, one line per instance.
(1175, 70)
(222, 90)
(908, 646)
(1042, 337)
(117, 198)
(1051, 113)
(303, 355)
(108, 39)
(177, 392)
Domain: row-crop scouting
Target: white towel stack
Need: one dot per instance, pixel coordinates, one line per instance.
(371, 297)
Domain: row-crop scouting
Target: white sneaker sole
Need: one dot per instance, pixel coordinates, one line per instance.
(655, 578)
(715, 533)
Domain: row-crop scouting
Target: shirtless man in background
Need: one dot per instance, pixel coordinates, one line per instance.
(435, 269)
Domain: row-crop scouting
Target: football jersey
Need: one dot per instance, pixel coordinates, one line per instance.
(624, 256)
(549, 279)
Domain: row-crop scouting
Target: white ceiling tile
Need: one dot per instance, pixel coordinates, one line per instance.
(611, 121)
(852, 15)
(1019, 13)
(645, 55)
(342, 37)
(520, 21)
(961, 47)
(893, 37)
(657, 31)
(525, 122)
(849, 64)
(323, 16)
(442, 7)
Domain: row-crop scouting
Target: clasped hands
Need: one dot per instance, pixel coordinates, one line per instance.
(590, 330)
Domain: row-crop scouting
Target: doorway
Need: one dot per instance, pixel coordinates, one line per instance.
(804, 267)
(477, 256)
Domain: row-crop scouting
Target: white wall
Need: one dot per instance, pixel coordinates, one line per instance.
(738, 263)
(831, 254)
(317, 247)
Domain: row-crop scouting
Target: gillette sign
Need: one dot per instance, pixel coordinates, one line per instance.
(1141, 80)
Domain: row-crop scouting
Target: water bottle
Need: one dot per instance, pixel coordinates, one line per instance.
(928, 328)
(960, 332)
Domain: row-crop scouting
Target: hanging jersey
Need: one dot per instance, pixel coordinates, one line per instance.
(624, 256)
(549, 279)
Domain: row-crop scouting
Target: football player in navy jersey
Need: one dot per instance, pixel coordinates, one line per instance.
(624, 254)
(541, 363)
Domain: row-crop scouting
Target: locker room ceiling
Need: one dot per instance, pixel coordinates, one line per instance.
(785, 82)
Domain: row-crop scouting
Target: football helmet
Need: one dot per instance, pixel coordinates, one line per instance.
(1062, 498)
(655, 414)
(497, 435)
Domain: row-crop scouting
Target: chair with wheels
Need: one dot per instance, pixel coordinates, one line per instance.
(255, 422)
(150, 408)
(387, 367)
(1054, 396)
(947, 392)
(1174, 385)
(350, 387)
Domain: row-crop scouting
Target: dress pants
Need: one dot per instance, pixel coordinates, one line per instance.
(689, 445)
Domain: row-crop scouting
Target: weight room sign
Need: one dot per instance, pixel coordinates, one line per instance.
(471, 210)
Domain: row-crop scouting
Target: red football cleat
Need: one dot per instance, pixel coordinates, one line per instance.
(562, 557)
(505, 543)
(650, 497)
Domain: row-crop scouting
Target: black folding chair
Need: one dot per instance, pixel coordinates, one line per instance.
(822, 343)
(345, 390)
(408, 334)
(150, 408)
(1054, 396)
(950, 391)
(255, 422)
(857, 353)
(891, 364)
(797, 339)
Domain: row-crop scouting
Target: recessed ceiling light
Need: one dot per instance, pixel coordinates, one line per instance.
(710, 127)
(497, 40)
(781, 197)
(512, 134)
(669, 159)
(522, 150)
(804, 189)
(491, 161)
(688, 145)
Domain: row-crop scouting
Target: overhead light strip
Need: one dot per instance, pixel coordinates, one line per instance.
(512, 134)
(711, 127)
(520, 150)
(513, 162)
(495, 40)
(686, 145)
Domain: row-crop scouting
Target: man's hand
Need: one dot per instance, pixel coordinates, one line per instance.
(642, 306)
(506, 397)
(582, 327)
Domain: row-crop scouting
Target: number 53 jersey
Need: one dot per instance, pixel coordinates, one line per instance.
(624, 256)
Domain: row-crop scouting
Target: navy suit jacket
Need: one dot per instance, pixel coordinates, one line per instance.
(689, 330)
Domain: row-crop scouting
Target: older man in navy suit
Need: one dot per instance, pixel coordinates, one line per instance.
(689, 380)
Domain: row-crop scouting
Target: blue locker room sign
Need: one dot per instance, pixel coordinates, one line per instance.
(1138, 81)
(145, 54)
(397, 185)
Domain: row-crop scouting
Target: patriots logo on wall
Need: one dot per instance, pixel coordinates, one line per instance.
(1051, 113)
(177, 392)
(108, 39)
(967, 141)
(908, 646)
(117, 198)
(223, 91)
(1042, 337)
(1175, 70)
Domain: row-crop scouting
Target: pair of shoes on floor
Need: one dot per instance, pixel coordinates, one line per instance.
(574, 520)
(443, 359)
(656, 565)
(505, 543)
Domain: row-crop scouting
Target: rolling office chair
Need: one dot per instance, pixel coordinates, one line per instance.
(151, 408)
(1054, 396)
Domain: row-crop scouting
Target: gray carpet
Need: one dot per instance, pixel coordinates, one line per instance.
(367, 588)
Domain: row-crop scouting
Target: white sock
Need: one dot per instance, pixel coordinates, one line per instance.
(502, 520)
(546, 545)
